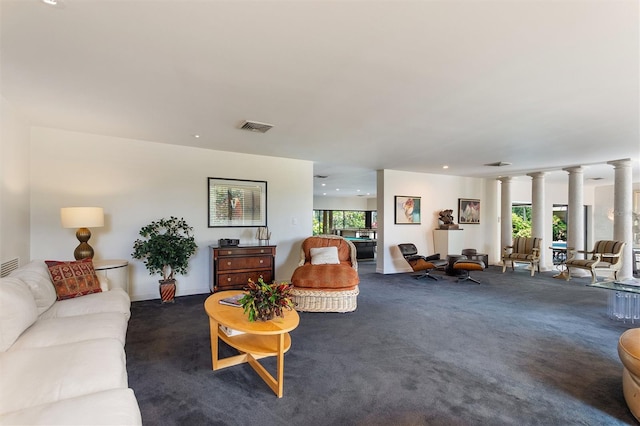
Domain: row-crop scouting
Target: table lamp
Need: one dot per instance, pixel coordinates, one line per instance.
(82, 218)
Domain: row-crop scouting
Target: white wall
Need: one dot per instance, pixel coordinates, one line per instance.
(14, 174)
(437, 192)
(603, 211)
(138, 181)
(343, 203)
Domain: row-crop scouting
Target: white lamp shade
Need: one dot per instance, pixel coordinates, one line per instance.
(82, 217)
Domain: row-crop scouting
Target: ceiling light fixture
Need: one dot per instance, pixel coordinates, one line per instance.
(50, 2)
(445, 167)
(196, 136)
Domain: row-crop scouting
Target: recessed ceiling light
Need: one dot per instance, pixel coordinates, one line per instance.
(337, 189)
(324, 193)
(445, 167)
(324, 184)
(196, 136)
(50, 2)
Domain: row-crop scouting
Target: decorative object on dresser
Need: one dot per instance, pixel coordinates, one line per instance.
(263, 235)
(232, 267)
(82, 218)
(166, 247)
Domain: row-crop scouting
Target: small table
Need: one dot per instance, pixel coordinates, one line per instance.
(559, 259)
(451, 259)
(115, 270)
(261, 339)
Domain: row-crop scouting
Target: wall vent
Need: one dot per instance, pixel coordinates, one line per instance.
(8, 266)
(255, 126)
(498, 164)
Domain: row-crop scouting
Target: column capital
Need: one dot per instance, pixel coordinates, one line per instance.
(536, 174)
(623, 163)
(505, 179)
(575, 169)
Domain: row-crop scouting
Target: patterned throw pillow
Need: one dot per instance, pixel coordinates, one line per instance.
(73, 279)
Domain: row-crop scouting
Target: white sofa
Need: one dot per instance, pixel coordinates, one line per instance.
(63, 361)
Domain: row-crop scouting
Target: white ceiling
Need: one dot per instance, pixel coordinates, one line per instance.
(353, 86)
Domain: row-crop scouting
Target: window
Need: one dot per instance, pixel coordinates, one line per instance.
(326, 221)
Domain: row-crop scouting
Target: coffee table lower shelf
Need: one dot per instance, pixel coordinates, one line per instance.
(253, 347)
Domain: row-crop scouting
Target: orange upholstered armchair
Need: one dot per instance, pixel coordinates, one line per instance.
(326, 279)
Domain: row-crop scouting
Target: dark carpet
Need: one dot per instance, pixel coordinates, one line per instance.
(513, 350)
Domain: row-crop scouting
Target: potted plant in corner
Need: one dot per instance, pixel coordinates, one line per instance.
(166, 247)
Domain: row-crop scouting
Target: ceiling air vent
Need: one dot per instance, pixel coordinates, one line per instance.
(498, 164)
(320, 176)
(255, 126)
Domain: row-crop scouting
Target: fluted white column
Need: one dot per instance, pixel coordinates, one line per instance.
(622, 213)
(537, 213)
(506, 225)
(575, 210)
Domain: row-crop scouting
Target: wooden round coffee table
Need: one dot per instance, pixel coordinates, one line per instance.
(260, 339)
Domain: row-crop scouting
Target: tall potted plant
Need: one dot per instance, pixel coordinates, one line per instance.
(166, 247)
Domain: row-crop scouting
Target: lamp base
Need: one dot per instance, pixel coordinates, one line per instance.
(84, 250)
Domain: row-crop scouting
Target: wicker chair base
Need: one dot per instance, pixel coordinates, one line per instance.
(310, 300)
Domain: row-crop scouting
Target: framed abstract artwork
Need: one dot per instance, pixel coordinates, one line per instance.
(407, 210)
(468, 211)
(237, 203)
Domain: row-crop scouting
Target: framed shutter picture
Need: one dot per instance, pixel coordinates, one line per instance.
(237, 203)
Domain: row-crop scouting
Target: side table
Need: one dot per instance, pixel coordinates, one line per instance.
(116, 270)
(259, 339)
(451, 259)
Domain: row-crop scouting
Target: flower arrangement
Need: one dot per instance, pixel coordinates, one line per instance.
(265, 301)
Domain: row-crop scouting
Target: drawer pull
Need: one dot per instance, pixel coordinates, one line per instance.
(228, 263)
(261, 261)
(228, 279)
(262, 251)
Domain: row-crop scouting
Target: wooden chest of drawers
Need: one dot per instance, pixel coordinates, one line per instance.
(231, 267)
